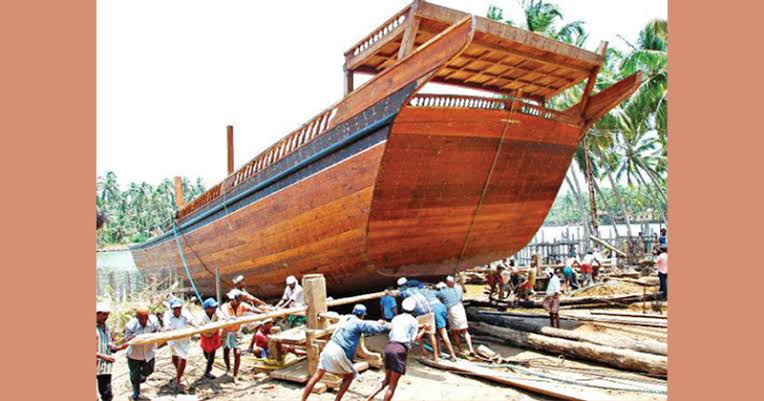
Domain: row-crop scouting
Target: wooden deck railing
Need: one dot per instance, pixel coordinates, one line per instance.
(285, 146)
(488, 103)
(392, 26)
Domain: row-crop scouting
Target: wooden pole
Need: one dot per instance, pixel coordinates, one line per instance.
(229, 132)
(183, 333)
(99, 284)
(180, 199)
(217, 284)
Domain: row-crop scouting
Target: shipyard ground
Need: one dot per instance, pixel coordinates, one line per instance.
(421, 382)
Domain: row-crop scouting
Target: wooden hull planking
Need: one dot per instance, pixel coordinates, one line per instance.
(392, 183)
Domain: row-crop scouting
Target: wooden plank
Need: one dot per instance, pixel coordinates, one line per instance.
(297, 373)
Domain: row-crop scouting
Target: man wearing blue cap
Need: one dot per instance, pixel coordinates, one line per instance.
(176, 319)
(337, 356)
(210, 340)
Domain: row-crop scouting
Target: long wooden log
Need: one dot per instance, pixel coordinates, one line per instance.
(647, 346)
(532, 385)
(625, 299)
(192, 331)
(647, 322)
(608, 246)
(618, 358)
(627, 314)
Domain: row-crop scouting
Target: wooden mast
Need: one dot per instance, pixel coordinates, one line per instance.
(180, 200)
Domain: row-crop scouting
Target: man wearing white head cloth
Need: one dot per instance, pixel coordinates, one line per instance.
(337, 356)
(404, 331)
(451, 296)
(292, 298)
(239, 284)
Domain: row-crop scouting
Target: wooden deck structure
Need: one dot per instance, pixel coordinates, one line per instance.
(391, 181)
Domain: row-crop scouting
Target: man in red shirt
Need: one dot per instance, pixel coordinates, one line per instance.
(259, 343)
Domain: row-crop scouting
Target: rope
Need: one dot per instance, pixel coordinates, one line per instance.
(487, 181)
(185, 264)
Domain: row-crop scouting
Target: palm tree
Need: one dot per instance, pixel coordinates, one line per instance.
(650, 55)
(544, 18)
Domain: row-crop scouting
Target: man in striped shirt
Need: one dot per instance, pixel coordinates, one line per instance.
(104, 360)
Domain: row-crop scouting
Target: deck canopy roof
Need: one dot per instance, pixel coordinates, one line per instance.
(501, 58)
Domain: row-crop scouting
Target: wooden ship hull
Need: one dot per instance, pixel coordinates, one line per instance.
(390, 181)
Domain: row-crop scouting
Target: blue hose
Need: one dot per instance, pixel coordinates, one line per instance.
(185, 264)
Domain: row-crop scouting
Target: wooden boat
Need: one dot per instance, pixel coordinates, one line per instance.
(390, 181)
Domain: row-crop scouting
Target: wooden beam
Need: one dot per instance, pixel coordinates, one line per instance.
(608, 246)
(592, 79)
(229, 135)
(180, 200)
(348, 84)
(314, 292)
(409, 35)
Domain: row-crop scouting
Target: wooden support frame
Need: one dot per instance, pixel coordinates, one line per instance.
(409, 35)
(601, 49)
(348, 80)
(317, 330)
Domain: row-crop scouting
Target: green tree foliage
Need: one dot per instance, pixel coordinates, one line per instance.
(140, 211)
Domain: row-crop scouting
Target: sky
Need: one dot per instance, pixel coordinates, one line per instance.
(172, 74)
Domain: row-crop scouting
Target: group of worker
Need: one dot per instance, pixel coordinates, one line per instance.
(140, 357)
(420, 304)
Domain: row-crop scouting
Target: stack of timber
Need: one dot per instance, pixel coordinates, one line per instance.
(529, 326)
(592, 300)
(577, 387)
(626, 359)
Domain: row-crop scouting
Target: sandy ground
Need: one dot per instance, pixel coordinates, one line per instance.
(421, 382)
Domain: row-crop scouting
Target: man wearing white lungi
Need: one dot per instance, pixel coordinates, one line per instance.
(337, 356)
(451, 296)
(175, 319)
